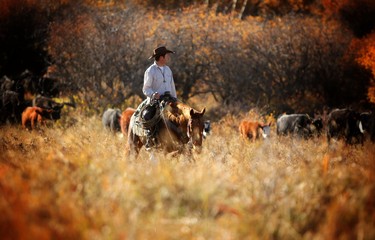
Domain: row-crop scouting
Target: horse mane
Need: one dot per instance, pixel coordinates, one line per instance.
(184, 108)
(176, 120)
(178, 113)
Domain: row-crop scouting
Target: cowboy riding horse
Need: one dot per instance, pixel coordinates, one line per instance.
(169, 125)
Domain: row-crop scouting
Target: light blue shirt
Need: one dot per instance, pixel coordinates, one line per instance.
(157, 79)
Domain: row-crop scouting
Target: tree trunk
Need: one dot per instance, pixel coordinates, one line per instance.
(244, 4)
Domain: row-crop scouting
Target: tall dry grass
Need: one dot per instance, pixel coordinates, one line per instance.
(77, 183)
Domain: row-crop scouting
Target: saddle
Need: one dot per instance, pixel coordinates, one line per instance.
(149, 113)
(145, 118)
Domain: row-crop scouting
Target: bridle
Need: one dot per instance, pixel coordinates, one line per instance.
(194, 122)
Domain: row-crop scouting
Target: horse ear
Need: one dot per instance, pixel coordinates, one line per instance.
(195, 112)
(192, 112)
(203, 111)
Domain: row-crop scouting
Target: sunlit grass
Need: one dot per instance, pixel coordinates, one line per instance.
(78, 183)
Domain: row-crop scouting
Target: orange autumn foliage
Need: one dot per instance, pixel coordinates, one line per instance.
(333, 6)
(365, 56)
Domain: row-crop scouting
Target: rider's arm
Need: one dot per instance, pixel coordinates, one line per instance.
(147, 83)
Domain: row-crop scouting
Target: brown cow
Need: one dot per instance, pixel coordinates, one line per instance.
(249, 129)
(33, 114)
(125, 120)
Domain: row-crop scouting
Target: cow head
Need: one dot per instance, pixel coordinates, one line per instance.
(316, 126)
(266, 130)
(56, 113)
(365, 121)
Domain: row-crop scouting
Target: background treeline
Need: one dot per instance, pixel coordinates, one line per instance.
(286, 55)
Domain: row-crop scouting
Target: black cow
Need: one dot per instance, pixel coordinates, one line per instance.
(45, 102)
(345, 124)
(111, 119)
(49, 103)
(301, 125)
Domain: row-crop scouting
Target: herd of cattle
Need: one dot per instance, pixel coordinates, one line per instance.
(15, 108)
(346, 124)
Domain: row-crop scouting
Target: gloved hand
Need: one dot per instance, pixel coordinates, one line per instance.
(155, 95)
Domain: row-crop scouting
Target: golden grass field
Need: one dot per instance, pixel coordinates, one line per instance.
(76, 182)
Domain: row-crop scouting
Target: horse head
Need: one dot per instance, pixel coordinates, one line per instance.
(195, 127)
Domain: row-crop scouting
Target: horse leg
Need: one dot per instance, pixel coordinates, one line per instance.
(134, 143)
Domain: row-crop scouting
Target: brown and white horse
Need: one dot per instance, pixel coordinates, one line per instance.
(179, 126)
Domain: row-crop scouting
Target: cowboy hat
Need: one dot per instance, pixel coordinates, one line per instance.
(160, 51)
